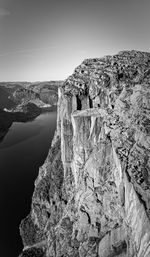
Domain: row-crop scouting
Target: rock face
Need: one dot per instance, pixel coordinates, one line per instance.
(92, 195)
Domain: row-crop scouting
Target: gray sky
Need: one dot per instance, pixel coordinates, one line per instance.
(47, 39)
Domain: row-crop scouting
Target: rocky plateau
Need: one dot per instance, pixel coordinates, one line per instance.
(92, 194)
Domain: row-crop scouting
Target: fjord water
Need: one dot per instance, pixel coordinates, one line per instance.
(22, 151)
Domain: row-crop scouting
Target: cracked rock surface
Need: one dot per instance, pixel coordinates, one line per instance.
(92, 195)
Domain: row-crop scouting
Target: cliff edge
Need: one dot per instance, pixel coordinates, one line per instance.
(92, 195)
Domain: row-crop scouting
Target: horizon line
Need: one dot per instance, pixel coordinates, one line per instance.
(27, 81)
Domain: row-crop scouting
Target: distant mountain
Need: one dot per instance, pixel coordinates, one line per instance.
(13, 94)
(7, 89)
(5, 101)
(47, 90)
(22, 101)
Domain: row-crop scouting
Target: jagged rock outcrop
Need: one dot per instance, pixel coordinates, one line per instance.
(92, 195)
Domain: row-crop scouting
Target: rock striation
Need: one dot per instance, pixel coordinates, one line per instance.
(92, 195)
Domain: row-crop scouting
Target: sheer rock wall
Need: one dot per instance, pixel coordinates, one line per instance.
(92, 195)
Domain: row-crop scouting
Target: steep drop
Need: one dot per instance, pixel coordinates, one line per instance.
(92, 195)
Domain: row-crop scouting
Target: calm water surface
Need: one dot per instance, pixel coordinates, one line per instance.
(22, 151)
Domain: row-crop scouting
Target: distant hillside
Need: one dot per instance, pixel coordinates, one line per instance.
(5, 101)
(23, 101)
(47, 90)
(14, 93)
(6, 91)
(45, 84)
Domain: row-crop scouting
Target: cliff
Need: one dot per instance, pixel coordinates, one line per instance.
(92, 195)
